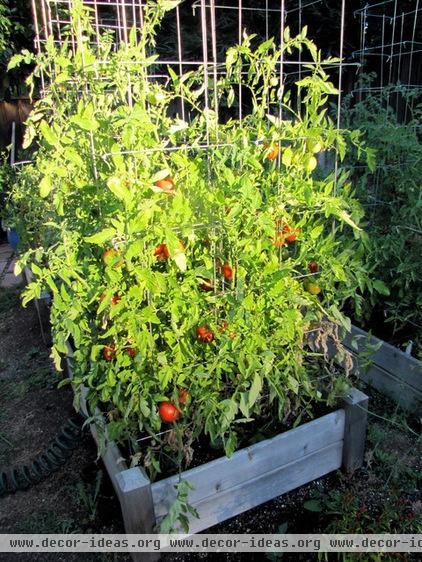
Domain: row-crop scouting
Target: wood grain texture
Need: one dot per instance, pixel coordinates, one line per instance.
(223, 505)
(392, 372)
(247, 466)
(356, 411)
(388, 358)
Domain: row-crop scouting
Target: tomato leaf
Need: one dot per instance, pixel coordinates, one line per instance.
(116, 186)
(255, 389)
(179, 259)
(313, 505)
(45, 187)
(101, 237)
(381, 287)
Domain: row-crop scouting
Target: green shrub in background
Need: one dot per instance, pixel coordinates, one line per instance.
(392, 198)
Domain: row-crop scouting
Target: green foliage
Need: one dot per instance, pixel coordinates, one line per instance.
(15, 34)
(392, 196)
(24, 210)
(126, 260)
(88, 496)
(177, 517)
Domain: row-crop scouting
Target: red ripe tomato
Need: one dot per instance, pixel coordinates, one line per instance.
(290, 233)
(227, 272)
(131, 351)
(313, 266)
(114, 299)
(162, 252)
(204, 334)
(109, 352)
(168, 412)
(209, 337)
(184, 396)
(166, 185)
(224, 326)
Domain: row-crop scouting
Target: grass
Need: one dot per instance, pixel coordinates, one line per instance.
(47, 522)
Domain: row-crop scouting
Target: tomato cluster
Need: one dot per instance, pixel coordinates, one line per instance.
(284, 233)
(204, 334)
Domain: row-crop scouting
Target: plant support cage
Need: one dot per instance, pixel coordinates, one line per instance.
(196, 37)
(197, 33)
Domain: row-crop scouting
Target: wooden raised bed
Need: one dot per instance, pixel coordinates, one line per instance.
(391, 371)
(388, 369)
(226, 487)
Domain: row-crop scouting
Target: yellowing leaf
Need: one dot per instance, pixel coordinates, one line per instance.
(311, 164)
(45, 186)
(48, 134)
(161, 175)
(116, 186)
(101, 237)
(344, 216)
(180, 260)
(255, 389)
(287, 156)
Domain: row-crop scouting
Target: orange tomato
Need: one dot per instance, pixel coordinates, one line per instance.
(272, 152)
(166, 185)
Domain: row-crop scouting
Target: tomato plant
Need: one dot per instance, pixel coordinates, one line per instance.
(391, 194)
(205, 243)
(184, 396)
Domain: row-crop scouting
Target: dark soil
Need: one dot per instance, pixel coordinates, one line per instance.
(32, 410)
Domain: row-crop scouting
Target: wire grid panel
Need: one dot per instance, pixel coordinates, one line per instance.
(391, 44)
(197, 33)
(195, 36)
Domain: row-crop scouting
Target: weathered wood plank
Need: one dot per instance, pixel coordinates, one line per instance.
(398, 377)
(400, 392)
(224, 505)
(246, 464)
(356, 411)
(133, 489)
(387, 377)
(388, 357)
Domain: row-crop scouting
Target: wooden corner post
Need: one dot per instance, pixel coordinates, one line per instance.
(356, 410)
(134, 491)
